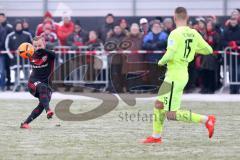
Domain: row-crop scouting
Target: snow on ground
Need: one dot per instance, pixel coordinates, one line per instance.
(186, 97)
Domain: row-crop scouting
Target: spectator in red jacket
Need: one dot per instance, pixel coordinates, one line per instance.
(65, 29)
(46, 19)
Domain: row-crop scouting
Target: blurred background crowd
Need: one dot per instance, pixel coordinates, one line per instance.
(145, 34)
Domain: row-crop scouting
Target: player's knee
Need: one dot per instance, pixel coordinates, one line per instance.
(159, 105)
(42, 87)
(171, 115)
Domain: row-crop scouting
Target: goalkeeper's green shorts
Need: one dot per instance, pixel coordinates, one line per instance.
(170, 93)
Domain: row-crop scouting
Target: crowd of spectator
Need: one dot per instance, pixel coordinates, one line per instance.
(151, 35)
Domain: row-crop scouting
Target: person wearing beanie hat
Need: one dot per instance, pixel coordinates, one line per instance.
(47, 18)
(14, 39)
(47, 15)
(108, 26)
(18, 28)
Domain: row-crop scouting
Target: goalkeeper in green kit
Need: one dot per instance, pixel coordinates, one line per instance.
(183, 44)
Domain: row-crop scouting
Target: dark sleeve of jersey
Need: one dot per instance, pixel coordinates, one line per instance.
(51, 54)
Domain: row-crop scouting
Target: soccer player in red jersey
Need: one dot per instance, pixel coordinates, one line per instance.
(39, 82)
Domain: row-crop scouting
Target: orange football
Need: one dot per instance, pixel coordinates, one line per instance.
(26, 50)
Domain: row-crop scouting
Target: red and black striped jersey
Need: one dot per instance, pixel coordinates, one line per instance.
(42, 63)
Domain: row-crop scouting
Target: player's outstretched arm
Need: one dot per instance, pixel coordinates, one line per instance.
(202, 46)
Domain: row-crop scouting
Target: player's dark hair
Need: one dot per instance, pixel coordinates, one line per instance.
(181, 13)
(109, 15)
(77, 22)
(2, 14)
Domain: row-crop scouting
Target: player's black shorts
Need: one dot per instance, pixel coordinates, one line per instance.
(35, 87)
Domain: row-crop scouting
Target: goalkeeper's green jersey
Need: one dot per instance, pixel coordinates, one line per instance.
(183, 44)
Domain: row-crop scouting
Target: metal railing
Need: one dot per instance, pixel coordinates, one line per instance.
(80, 67)
(83, 67)
(231, 67)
